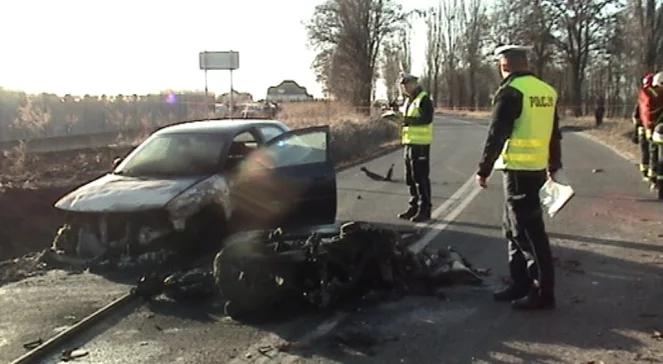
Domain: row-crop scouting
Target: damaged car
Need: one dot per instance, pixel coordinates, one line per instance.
(190, 184)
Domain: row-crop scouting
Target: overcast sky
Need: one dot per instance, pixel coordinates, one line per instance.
(131, 46)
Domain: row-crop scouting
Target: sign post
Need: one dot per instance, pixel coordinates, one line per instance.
(220, 61)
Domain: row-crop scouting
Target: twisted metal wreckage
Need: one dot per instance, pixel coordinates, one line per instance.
(259, 270)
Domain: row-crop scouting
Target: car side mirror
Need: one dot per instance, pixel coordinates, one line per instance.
(117, 161)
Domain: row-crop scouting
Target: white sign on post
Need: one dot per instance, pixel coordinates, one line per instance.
(228, 61)
(219, 60)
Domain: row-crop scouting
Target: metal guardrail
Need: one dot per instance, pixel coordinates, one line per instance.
(71, 142)
(71, 333)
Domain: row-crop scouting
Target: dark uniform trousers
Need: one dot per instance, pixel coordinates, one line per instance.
(656, 155)
(530, 257)
(644, 150)
(417, 176)
(654, 159)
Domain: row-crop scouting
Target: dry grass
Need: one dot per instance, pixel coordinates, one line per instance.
(355, 135)
(303, 114)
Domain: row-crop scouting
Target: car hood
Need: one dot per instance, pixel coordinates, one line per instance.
(115, 193)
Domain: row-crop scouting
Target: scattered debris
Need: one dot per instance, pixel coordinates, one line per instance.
(29, 265)
(261, 269)
(194, 284)
(577, 300)
(264, 350)
(377, 177)
(33, 344)
(572, 266)
(73, 354)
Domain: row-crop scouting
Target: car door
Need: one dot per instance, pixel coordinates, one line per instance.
(290, 181)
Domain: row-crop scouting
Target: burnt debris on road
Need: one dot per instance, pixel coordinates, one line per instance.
(265, 270)
(258, 271)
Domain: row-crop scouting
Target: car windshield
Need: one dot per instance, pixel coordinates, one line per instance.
(174, 155)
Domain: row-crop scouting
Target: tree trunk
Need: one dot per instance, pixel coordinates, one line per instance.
(436, 85)
(473, 87)
(576, 90)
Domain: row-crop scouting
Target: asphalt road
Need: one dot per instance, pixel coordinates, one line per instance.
(608, 244)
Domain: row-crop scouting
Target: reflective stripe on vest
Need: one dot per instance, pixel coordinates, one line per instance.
(528, 148)
(416, 134)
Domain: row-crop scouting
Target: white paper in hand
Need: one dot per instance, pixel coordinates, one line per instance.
(554, 196)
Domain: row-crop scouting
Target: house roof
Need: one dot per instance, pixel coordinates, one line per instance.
(287, 87)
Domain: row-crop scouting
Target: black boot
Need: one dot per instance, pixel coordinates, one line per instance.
(534, 301)
(510, 293)
(422, 216)
(410, 213)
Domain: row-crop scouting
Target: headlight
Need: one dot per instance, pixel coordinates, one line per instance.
(211, 191)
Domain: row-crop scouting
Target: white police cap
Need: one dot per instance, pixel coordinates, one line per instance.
(406, 77)
(508, 48)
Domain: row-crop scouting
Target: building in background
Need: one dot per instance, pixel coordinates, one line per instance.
(288, 91)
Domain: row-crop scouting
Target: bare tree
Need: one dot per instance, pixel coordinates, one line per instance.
(451, 30)
(527, 22)
(473, 18)
(354, 30)
(578, 28)
(434, 51)
(649, 17)
(391, 69)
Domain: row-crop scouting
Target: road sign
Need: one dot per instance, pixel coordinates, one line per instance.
(219, 60)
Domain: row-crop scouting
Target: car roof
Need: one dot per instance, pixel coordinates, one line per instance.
(219, 126)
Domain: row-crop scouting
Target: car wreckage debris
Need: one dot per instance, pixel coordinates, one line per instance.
(377, 177)
(260, 270)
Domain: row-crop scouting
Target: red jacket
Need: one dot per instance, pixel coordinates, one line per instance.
(650, 105)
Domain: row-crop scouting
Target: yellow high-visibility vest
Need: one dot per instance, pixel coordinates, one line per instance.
(416, 134)
(528, 148)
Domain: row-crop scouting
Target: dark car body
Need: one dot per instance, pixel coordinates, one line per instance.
(189, 179)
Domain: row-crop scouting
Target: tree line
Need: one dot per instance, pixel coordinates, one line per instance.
(594, 52)
(24, 116)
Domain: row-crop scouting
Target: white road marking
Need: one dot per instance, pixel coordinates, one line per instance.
(469, 191)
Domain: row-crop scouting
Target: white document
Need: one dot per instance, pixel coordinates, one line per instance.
(554, 196)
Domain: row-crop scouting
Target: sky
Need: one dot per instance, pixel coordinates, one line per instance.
(146, 46)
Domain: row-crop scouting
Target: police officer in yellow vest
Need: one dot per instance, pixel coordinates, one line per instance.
(417, 135)
(524, 140)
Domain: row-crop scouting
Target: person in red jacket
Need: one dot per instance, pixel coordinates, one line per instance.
(653, 128)
(639, 135)
(651, 114)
